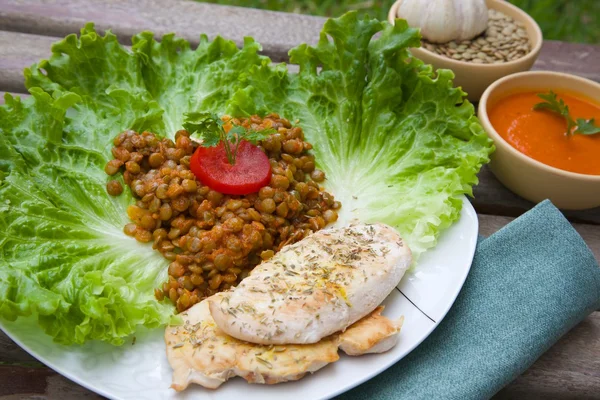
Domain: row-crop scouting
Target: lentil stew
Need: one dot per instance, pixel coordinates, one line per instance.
(214, 240)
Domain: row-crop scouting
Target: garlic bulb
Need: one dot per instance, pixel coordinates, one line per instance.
(441, 21)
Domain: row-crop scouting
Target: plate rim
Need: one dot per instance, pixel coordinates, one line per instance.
(385, 366)
(467, 206)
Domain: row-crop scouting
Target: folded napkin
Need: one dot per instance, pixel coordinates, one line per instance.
(530, 283)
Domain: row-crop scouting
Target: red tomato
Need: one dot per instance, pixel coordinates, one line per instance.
(251, 171)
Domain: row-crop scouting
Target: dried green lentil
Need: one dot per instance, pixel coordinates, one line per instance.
(504, 40)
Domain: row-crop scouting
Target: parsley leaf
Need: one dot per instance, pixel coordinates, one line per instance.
(255, 136)
(587, 127)
(212, 130)
(208, 125)
(558, 106)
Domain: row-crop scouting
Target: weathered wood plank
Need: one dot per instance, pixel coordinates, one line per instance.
(39, 383)
(491, 197)
(572, 58)
(277, 32)
(20, 50)
(21, 380)
(12, 354)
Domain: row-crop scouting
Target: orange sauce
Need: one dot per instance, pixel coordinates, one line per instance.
(541, 134)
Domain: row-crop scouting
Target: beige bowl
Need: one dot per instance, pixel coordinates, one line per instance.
(475, 78)
(525, 176)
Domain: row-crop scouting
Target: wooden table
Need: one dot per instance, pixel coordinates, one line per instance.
(569, 370)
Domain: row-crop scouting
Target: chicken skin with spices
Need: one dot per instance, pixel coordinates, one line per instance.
(199, 352)
(315, 287)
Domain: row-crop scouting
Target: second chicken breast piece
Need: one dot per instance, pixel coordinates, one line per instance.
(316, 287)
(372, 334)
(199, 352)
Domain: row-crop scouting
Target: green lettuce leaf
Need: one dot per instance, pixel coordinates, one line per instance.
(397, 141)
(399, 144)
(63, 254)
(183, 80)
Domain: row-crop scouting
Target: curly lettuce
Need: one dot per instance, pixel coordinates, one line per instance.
(398, 142)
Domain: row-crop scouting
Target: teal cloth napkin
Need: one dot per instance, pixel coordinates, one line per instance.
(530, 283)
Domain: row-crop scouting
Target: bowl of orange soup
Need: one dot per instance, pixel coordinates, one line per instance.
(537, 156)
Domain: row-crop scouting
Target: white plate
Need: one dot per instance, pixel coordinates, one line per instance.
(141, 371)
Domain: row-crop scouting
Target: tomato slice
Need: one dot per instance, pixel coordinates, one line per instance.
(251, 171)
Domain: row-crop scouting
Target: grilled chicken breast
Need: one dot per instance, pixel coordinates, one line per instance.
(372, 334)
(199, 352)
(316, 287)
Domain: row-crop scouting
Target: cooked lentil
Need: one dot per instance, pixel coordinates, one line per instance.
(213, 240)
(114, 188)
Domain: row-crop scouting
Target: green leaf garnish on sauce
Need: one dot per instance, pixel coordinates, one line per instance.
(212, 130)
(557, 105)
(588, 127)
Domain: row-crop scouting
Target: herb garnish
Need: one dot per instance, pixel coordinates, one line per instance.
(212, 129)
(558, 106)
(263, 361)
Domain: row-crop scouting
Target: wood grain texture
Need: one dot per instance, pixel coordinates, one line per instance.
(277, 32)
(12, 354)
(572, 58)
(492, 197)
(18, 382)
(17, 51)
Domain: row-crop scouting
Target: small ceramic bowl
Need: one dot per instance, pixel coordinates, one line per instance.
(525, 176)
(475, 78)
